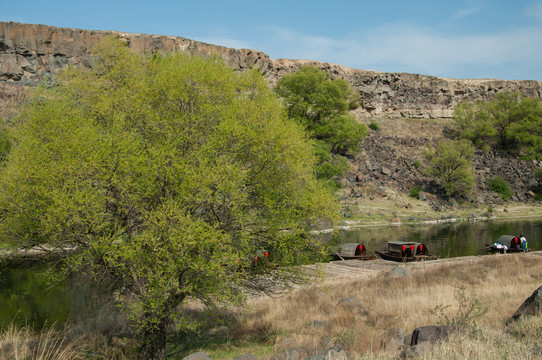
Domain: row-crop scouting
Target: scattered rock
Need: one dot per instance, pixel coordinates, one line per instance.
(415, 351)
(536, 350)
(399, 271)
(392, 339)
(319, 324)
(197, 356)
(284, 344)
(296, 353)
(337, 354)
(350, 302)
(246, 357)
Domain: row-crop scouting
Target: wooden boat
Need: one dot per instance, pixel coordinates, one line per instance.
(352, 251)
(506, 244)
(404, 251)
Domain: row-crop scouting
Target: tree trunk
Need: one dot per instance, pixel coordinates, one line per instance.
(153, 345)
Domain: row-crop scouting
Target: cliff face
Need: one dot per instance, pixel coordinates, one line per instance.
(28, 52)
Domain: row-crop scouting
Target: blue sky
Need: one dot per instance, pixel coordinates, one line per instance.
(499, 39)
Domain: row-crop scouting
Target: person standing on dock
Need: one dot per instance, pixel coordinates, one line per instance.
(523, 243)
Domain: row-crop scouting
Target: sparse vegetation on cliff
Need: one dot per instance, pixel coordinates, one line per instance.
(511, 122)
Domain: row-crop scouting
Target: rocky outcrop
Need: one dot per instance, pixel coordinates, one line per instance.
(28, 52)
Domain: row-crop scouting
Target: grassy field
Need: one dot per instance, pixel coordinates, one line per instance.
(482, 293)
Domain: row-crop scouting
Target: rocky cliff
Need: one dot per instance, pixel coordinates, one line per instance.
(28, 52)
(400, 103)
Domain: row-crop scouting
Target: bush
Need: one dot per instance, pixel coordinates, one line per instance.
(415, 191)
(501, 187)
(373, 126)
(451, 163)
(417, 164)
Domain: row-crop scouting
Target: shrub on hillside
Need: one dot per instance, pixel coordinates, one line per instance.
(501, 187)
(415, 191)
(451, 163)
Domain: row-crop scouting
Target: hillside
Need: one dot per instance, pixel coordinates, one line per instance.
(411, 110)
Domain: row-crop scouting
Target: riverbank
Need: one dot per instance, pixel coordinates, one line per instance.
(350, 315)
(396, 208)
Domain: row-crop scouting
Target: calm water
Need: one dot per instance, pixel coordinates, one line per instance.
(27, 296)
(446, 240)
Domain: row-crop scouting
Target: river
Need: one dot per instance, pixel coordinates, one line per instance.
(446, 240)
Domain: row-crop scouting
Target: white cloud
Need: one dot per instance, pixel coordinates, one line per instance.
(462, 13)
(409, 48)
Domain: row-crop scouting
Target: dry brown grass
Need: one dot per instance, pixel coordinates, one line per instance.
(20, 343)
(501, 283)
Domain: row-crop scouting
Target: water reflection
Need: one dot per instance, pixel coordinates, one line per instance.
(28, 297)
(444, 240)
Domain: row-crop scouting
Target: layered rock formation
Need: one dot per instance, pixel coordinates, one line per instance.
(28, 52)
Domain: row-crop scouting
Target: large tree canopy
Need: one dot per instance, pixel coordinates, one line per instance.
(161, 172)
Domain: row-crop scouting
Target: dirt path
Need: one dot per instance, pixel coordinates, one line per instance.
(352, 269)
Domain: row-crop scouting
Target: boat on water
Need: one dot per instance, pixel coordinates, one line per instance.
(506, 244)
(404, 251)
(351, 251)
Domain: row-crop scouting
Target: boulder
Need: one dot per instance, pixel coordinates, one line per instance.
(531, 306)
(431, 334)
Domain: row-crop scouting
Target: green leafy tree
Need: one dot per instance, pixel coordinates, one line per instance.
(161, 175)
(450, 162)
(475, 124)
(322, 106)
(511, 122)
